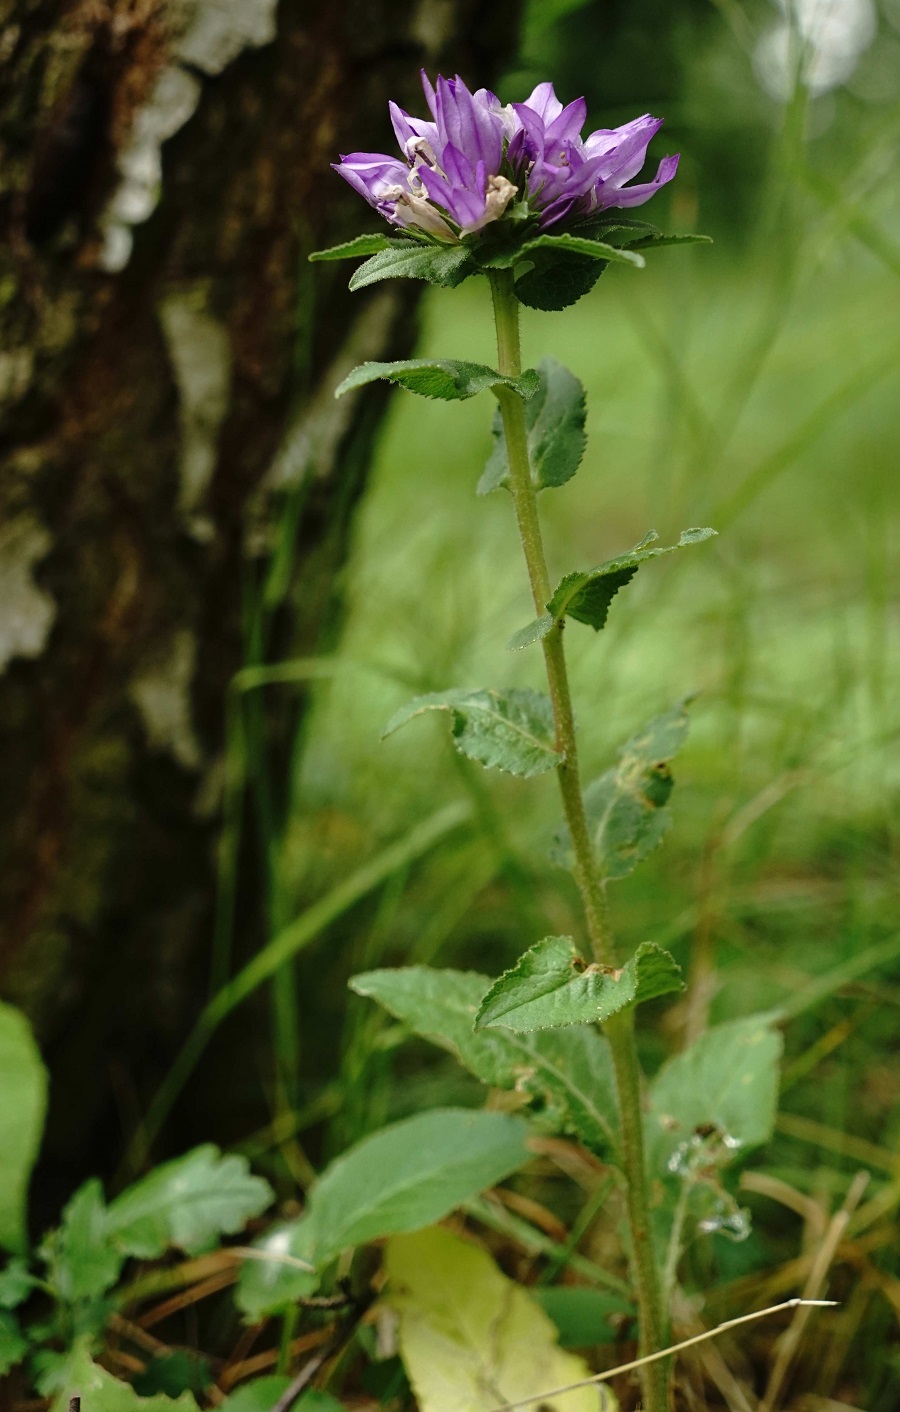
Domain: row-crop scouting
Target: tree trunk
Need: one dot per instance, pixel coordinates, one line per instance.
(166, 412)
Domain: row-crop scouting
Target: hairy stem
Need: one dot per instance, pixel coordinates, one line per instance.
(619, 1028)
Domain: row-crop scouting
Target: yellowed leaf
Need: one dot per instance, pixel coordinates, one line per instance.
(470, 1338)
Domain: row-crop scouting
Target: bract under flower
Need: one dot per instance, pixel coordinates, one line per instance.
(477, 160)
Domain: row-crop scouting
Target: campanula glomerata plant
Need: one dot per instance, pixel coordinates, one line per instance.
(515, 193)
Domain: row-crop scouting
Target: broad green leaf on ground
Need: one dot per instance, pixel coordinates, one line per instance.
(281, 1271)
(552, 986)
(188, 1203)
(447, 379)
(401, 1178)
(362, 245)
(13, 1343)
(261, 1394)
(472, 1338)
(511, 730)
(723, 1090)
(567, 1075)
(446, 265)
(101, 1392)
(587, 596)
(627, 806)
(23, 1102)
(173, 1371)
(582, 1315)
(413, 1173)
(83, 1262)
(554, 418)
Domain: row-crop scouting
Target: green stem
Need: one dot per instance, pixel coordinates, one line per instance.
(620, 1028)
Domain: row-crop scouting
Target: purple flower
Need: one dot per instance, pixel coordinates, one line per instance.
(476, 160)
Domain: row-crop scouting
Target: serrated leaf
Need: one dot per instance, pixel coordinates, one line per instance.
(724, 1088)
(554, 421)
(472, 1338)
(282, 1272)
(447, 379)
(555, 284)
(552, 986)
(653, 242)
(587, 596)
(568, 245)
(568, 1074)
(16, 1283)
(189, 1203)
(362, 245)
(84, 1263)
(446, 265)
(101, 1392)
(509, 730)
(13, 1343)
(172, 1372)
(627, 807)
(23, 1103)
(413, 1173)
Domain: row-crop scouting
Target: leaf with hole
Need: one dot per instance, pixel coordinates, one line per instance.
(566, 1075)
(554, 421)
(446, 379)
(508, 730)
(188, 1203)
(446, 265)
(627, 807)
(471, 1338)
(23, 1102)
(552, 986)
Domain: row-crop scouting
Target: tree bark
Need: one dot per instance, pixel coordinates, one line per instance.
(168, 427)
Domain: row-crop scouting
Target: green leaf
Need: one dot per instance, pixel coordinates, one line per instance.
(509, 730)
(16, 1283)
(587, 596)
(531, 633)
(23, 1103)
(444, 378)
(446, 265)
(653, 242)
(551, 986)
(174, 1371)
(582, 1316)
(556, 284)
(725, 1088)
(399, 1179)
(83, 1261)
(362, 245)
(627, 806)
(566, 245)
(188, 1203)
(101, 1392)
(567, 1074)
(261, 1394)
(554, 419)
(283, 1272)
(472, 1338)
(13, 1343)
(413, 1173)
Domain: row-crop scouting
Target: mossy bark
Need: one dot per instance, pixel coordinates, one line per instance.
(166, 358)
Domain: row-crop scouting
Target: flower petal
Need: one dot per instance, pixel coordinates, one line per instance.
(636, 195)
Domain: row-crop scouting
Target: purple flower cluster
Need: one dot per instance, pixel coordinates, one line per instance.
(476, 159)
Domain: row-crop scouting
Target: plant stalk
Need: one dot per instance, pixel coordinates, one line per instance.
(619, 1029)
